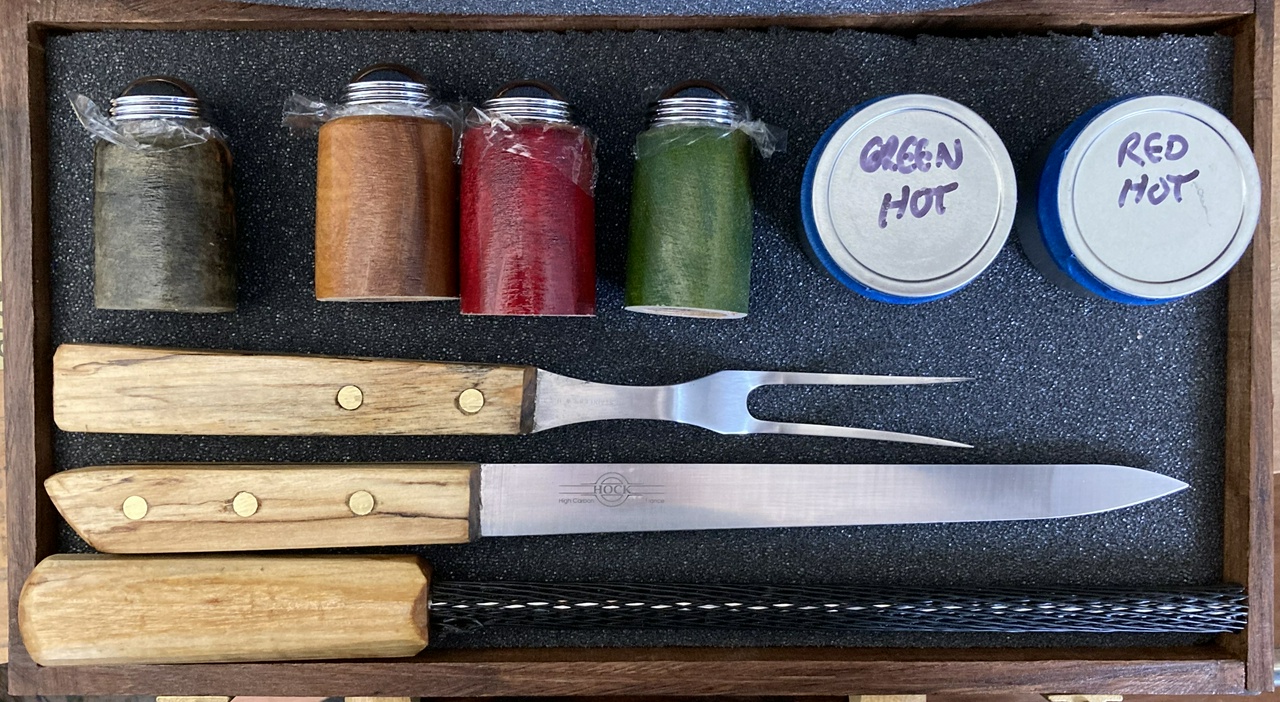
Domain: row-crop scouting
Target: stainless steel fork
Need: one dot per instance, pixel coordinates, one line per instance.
(173, 391)
(717, 402)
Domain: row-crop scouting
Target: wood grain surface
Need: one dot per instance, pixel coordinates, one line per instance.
(31, 518)
(1247, 517)
(166, 391)
(4, 531)
(79, 609)
(691, 231)
(386, 210)
(976, 673)
(1082, 16)
(202, 508)
(687, 671)
(527, 225)
(164, 228)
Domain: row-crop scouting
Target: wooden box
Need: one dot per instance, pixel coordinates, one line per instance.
(1234, 664)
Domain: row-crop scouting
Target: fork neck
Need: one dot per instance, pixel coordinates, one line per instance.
(560, 400)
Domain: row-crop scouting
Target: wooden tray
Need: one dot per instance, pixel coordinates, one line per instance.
(1234, 664)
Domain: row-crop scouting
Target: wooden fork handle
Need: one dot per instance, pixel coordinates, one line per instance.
(136, 390)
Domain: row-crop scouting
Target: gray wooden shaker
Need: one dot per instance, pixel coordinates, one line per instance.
(163, 211)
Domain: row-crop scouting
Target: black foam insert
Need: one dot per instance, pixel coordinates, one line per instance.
(1059, 378)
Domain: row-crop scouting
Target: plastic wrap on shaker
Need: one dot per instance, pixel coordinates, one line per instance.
(768, 139)
(163, 210)
(528, 210)
(151, 134)
(568, 149)
(164, 217)
(306, 113)
(691, 208)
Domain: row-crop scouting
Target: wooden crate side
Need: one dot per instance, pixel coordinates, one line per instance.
(28, 415)
(1247, 556)
(1082, 16)
(676, 671)
(688, 671)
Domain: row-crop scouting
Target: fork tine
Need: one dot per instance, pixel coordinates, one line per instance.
(793, 378)
(762, 427)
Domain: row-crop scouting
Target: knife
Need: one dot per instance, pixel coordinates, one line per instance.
(201, 508)
(111, 610)
(168, 391)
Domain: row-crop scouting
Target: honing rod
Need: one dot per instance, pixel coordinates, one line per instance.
(104, 610)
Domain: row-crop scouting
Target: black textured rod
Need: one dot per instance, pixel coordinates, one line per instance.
(466, 606)
(164, 228)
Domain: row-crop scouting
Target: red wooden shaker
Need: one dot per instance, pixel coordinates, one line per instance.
(527, 242)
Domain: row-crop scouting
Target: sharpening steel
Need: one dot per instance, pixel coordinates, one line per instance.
(112, 610)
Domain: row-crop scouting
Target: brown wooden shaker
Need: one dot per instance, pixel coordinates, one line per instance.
(387, 193)
(163, 212)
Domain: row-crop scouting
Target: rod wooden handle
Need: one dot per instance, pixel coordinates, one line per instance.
(94, 609)
(188, 508)
(136, 390)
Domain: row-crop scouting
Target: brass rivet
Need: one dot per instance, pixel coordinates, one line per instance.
(360, 502)
(470, 400)
(350, 397)
(135, 507)
(245, 504)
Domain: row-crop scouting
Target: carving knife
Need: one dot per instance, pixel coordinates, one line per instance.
(202, 508)
(134, 390)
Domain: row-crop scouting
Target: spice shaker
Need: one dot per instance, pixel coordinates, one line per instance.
(528, 209)
(689, 252)
(163, 211)
(387, 193)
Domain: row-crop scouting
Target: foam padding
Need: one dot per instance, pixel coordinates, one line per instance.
(1058, 378)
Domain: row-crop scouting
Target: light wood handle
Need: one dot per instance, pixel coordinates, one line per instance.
(166, 391)
(188, 508)
(81, 610)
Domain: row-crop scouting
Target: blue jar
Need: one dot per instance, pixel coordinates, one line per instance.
(1142, 200)
(908, 198)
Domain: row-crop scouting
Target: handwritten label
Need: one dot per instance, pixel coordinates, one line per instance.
(911, 155)
(1151, 149)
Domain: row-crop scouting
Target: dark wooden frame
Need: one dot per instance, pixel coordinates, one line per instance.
(1234, 664)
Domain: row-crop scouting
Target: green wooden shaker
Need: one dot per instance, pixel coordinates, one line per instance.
(691, 213)
(163, 213)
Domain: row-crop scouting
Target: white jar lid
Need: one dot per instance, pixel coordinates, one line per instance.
(908, 198)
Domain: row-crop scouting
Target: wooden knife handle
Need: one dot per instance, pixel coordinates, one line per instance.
(94, 609)
(202, 508)
(135, 390)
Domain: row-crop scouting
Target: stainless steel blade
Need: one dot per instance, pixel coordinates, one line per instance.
(569, 498)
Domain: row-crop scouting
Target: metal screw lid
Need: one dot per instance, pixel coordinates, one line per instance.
(1149, 198)
(141, 106)
(364, 90)
(908, 198)
(672, 107)
(549, 106)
